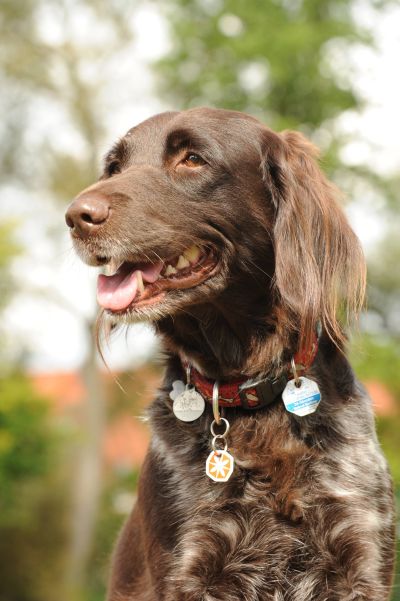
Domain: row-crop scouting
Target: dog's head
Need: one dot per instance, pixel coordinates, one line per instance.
(203, 203)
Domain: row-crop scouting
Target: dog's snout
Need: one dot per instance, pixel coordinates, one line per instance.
(87, 214)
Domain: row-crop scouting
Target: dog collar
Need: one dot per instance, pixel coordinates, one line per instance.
(252, 393)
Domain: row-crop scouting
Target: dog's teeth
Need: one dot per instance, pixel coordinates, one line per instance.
(139, 278)
(192, 253)
(182, 262)
(170, 270)
(111, 267)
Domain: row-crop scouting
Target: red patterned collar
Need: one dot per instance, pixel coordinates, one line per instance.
(252, 394)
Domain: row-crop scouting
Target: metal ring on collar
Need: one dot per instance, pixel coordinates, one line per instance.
(297, 381)
(214, 443)
(188, 370)
(215, 398)
(221, 434)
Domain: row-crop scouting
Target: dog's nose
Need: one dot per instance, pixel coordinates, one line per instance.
(87, 214)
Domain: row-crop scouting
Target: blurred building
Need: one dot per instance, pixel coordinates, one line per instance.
(126, 435)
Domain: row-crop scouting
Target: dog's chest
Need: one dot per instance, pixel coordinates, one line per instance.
(273, 519)
(276, 473)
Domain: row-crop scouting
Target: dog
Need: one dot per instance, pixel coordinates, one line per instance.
(264, 480)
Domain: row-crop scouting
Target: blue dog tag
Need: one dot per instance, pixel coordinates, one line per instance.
(301, 400)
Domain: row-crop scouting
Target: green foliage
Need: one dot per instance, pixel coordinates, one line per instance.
(8, 250)
(32, 551)
(284, 61)
(25, 439)
(285, 45)
(117, 486)
(67, 175)
(35, 70)
(384, 280)
(375, 358)
(32, 499)
(388, 434)
(379, 359)
(8, 247)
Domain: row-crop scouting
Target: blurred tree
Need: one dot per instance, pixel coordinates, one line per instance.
(51, 66)
(8, 250)
(384, 282)
(32, 507)
(285, 61)
(32, 510)
(271, 58)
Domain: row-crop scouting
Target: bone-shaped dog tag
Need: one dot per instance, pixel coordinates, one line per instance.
(188, 403)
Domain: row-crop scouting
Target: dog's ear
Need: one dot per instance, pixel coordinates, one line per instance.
(319, 263)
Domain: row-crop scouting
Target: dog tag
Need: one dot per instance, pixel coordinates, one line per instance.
(188, 403)
(219, 466)
(301, 400)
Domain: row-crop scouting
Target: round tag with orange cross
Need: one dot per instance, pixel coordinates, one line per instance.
(219, 465)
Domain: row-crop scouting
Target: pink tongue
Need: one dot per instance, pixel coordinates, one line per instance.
(116, 292)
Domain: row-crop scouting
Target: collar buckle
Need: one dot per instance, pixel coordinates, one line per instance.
(266, 392)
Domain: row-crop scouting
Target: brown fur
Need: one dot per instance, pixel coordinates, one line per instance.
(308, 512)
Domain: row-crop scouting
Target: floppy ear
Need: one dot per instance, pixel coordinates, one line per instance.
(319, 263)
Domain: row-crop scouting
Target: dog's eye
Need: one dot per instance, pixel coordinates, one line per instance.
(113, 168)
(193, 160)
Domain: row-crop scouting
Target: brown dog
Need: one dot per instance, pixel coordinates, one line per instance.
(228, 238)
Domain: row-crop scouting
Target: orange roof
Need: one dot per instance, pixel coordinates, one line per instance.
(65, 389)
(383, 400)
(125, 442)
(126, 438)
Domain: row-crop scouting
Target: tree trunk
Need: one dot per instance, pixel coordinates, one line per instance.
(88, 481)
